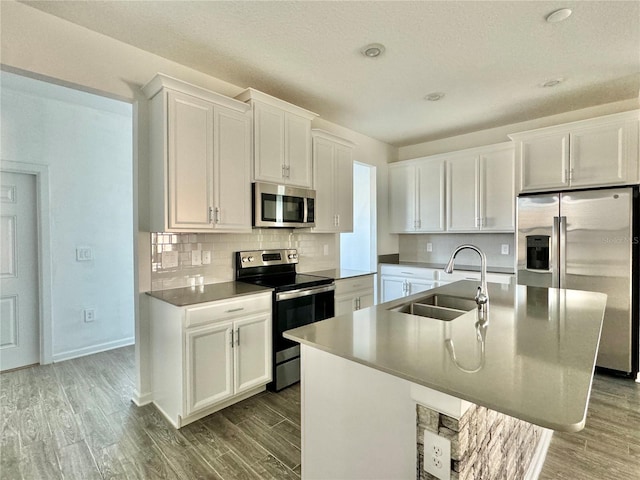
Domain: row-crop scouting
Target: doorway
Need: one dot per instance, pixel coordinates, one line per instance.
(358, 249)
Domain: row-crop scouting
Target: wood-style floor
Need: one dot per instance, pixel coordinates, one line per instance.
(75, 420)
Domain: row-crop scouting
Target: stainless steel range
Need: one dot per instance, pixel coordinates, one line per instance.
(298, 299)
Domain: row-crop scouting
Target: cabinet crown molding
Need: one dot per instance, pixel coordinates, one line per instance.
(160, 81)
(316, 132)
(631, 115)
(256, 95)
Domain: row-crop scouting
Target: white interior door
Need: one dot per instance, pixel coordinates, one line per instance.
(19, 319)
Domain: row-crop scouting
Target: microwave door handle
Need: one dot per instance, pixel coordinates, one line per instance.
(305, 213)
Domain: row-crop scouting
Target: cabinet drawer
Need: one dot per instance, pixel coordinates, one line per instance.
(408, 272)
(222, 310)
(350, 285)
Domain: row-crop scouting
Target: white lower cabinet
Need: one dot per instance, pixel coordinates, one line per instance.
(353, 294)
(209, 356)
(400, 281)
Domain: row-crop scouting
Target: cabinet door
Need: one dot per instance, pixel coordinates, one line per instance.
(323, 153)
(430, 196)
(252, 352)
(604, 155)
(544, 162)
(463, 210)
(268, 124)
(497, 191)
(366, 300)
(343, 187)
(190, 162)
(419, 285)
(297, 138)
(232, 177)
(209, 365)
(402, 199)
(392, 287)
(344, 304)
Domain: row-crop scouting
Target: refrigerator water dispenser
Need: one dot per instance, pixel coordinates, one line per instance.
(538, 252)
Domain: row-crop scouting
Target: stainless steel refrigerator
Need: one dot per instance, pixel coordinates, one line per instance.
(587, 240)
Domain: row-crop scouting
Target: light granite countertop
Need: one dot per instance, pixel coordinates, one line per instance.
(185, 296)
(536, 363)
(340, 273)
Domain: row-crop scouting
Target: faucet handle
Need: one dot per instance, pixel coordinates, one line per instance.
(481, 297)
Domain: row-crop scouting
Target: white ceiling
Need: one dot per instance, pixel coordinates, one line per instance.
(490, 58)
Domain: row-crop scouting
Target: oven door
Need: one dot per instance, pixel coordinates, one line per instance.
(297, 308)
(282, 206)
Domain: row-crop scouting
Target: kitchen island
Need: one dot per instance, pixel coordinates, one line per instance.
(375, 380)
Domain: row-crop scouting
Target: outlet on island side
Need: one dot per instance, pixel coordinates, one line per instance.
(504, 249)
(89, 315)
(429, 247)
(437, 455)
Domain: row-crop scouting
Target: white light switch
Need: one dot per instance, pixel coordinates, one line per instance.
(84, 254)
(206, 257)
(196, 257)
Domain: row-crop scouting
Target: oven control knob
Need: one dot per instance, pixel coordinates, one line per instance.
(244, 259)
(292, 256)
(250, 259)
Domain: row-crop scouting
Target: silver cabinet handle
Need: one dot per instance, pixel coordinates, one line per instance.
(235, 309)
(571, 174)
(231, 338)
(217, 214)
(210, 214)
(338, 220)
(237, 337)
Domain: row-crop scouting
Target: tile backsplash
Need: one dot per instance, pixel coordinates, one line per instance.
(413, 248)
(317, 251)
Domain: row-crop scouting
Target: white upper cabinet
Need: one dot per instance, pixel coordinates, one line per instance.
(480, 190)
(595, 152)
(333, 182)
(281, 140)
(416, 196)
(200, 158)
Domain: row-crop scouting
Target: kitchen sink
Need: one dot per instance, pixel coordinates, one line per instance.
(447, 301)
(440, 307)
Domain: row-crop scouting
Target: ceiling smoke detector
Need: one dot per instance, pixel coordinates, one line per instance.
(434, 97)
(552, 83)
(372, 50)
(559, 15)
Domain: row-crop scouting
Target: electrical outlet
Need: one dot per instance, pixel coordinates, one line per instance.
(437, 455)
(206, 257)
(504, 249)
(429, 247)
(89, 315)
(325, 249)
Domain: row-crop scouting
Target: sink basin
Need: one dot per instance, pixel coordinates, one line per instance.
(440, 307)
(448, 301)
(430, 311)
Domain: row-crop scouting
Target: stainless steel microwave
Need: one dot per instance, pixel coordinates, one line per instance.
(283, 206)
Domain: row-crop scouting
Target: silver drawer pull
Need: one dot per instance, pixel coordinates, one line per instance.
(235, 310)
(407, 273)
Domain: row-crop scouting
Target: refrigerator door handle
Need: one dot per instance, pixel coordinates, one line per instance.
(563, 252)
(553, 253)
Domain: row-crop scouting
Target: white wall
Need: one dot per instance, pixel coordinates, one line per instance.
(86, 142)
(500, 134)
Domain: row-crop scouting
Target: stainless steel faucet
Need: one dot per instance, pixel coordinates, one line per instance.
(482, 295)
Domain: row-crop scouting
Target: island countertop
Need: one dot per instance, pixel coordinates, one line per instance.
(536, 362)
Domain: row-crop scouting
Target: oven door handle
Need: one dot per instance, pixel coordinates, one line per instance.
(303, 292)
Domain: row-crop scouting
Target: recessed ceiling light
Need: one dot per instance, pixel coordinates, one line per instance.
(559, 15)
(553, 82)
(434, 97)
(372, 50)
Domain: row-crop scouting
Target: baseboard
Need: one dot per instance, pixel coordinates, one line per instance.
(102, 347)
(539, 456)
(141, 399)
